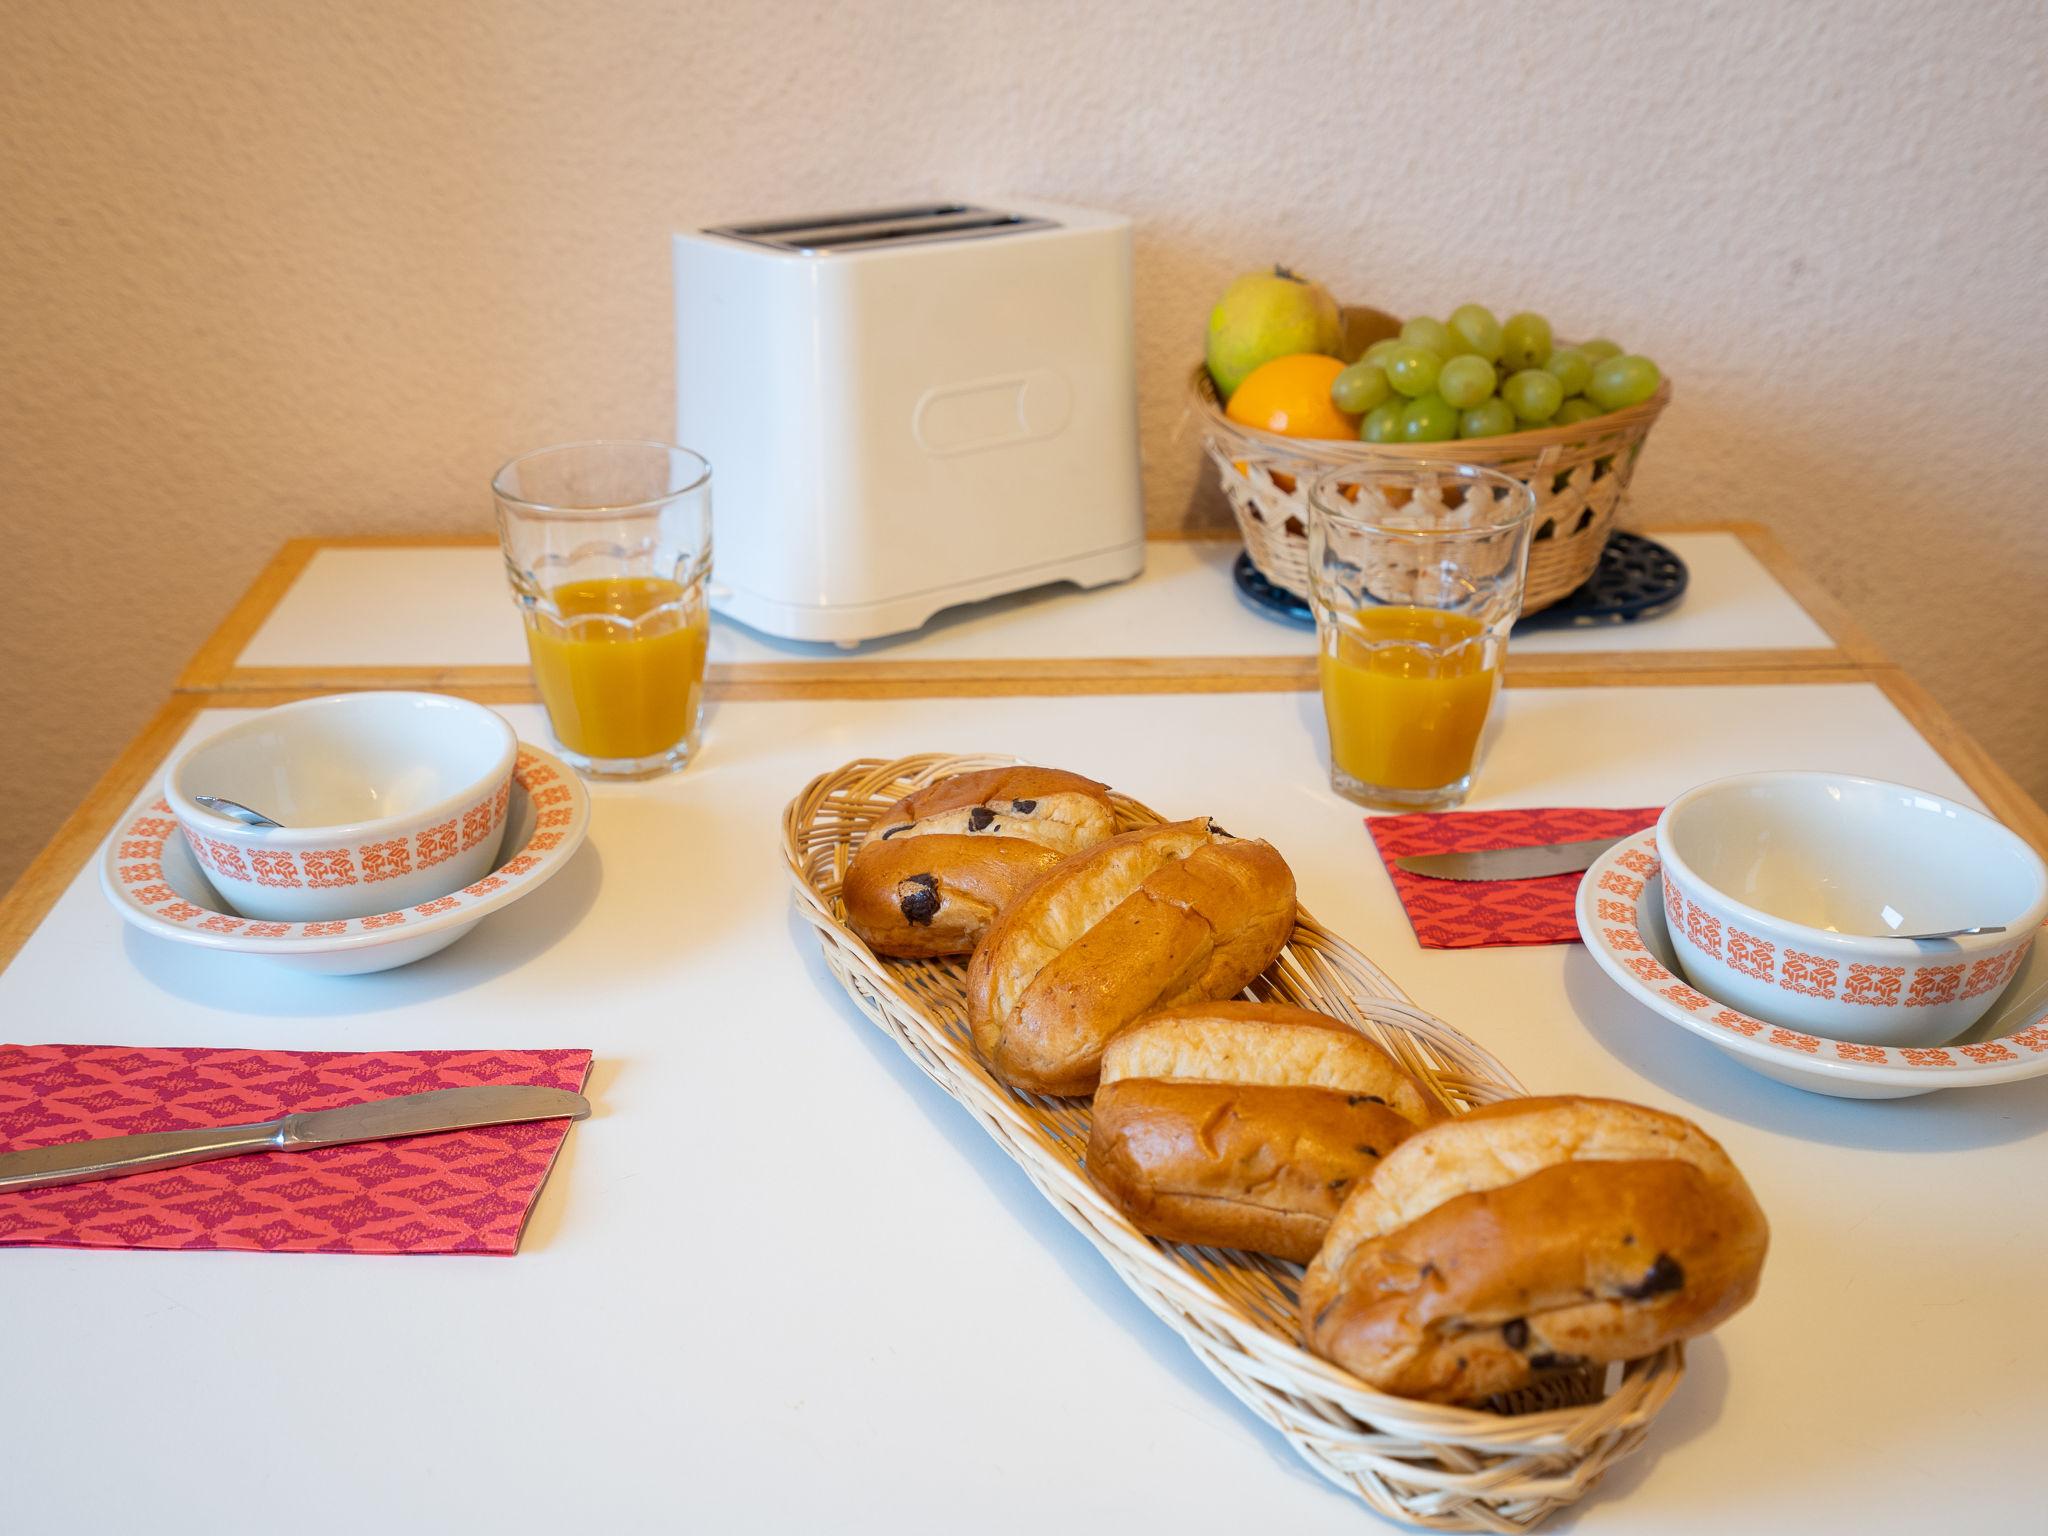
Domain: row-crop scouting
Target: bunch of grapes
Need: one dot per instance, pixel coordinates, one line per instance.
(1473, 376)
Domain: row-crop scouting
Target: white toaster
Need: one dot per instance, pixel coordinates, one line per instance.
(907, 408)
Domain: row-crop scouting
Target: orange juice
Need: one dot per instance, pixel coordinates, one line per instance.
(622, 670)
(1406, 695)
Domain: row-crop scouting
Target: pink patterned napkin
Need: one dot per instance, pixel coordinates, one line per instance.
(1477, 914)
(455, 1192)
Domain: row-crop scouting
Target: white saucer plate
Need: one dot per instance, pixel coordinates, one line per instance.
(1621, 917)
(151, 877)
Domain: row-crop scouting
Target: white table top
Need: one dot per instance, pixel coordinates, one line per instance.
(421, 607)
(780, 1282)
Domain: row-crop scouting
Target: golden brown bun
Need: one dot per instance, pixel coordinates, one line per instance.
(1157, 917)
(1531, 1236)
(1041, 805)
(940, 863)
(1270, 1043)
(1244, 1125)
(936, 895)
(1236, 1165)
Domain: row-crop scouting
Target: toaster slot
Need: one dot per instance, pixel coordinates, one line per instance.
(832, 234)
(781, 227)
(959, 227)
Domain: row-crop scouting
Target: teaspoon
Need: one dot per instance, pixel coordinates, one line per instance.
(234, 810)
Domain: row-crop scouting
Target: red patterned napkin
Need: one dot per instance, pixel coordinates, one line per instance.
(456, 1192)
(1477, 914)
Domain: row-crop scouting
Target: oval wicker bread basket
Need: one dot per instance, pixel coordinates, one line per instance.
(1501, 1468)
(1580, 475)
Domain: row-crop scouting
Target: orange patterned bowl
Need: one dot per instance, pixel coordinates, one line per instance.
(387, 799)
(1792, 897)
(1626, 923)
(159, 886)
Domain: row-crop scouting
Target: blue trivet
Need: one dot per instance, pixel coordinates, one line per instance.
(1636, 579)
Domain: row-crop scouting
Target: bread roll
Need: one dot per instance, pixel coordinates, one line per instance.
(1531, 1236)
(1173, 914)
(1244, 1125)
(939, 864)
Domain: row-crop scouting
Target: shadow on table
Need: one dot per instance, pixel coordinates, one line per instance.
(545, 1220)
(1007, 1184)
(1691, 1069)
(501, 943)
(1692, 1411)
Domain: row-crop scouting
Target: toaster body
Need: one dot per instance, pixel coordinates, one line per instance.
(909, 408)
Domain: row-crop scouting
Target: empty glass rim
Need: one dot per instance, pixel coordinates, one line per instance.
(1517, 506)
(701, 475)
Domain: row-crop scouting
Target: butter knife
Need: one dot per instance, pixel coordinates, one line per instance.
(413, 1114)
(1509, 863)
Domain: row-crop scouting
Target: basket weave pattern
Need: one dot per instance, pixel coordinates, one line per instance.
(1443, 1468)
(1580, 475)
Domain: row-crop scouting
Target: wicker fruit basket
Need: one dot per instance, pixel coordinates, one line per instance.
(1580, 475)
(1500, 1468)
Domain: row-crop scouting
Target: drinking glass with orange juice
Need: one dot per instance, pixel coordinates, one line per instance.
(607, 546)
(1415, 575)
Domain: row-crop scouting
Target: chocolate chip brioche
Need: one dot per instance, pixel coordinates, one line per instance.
(1531, 1236)
(940, 863)
(1155, 918)
(1245, 1125)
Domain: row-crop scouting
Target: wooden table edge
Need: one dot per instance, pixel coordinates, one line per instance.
(50, 873)
(1011, 676)
(2001, 793)
(213, 667)
(214, 662)
(212, 680)
(1820, 605)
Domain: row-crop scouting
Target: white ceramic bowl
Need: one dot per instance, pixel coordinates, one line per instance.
(1781, 891)
(150, 876)
(1621, 918)
(387, 800)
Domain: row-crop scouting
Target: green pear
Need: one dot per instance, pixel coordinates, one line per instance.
(1264, 315)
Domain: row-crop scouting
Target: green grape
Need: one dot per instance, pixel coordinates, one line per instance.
(1465, 381)
(1599, 349)
(1429, 420)
(1532, 394)
(1489, 418)
(1359, 388)
(1377, 352)
(1474, 325)
(1382, 423)
(1457, 346)
(1571, 367)
(1425, 332)
(1620, 382)
(1524, 341)
(1575, 410)
(1412, 370)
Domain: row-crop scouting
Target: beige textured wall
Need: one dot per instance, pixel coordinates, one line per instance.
(271, 269)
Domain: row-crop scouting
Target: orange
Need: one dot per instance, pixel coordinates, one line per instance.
(1284, 484)
(1291, 396)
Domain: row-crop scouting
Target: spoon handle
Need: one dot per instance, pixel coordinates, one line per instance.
(234, 810)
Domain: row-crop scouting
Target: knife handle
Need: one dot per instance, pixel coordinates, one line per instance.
(73, 1162)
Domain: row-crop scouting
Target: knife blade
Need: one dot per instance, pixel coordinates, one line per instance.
(1509, 863)
(412, 1114)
